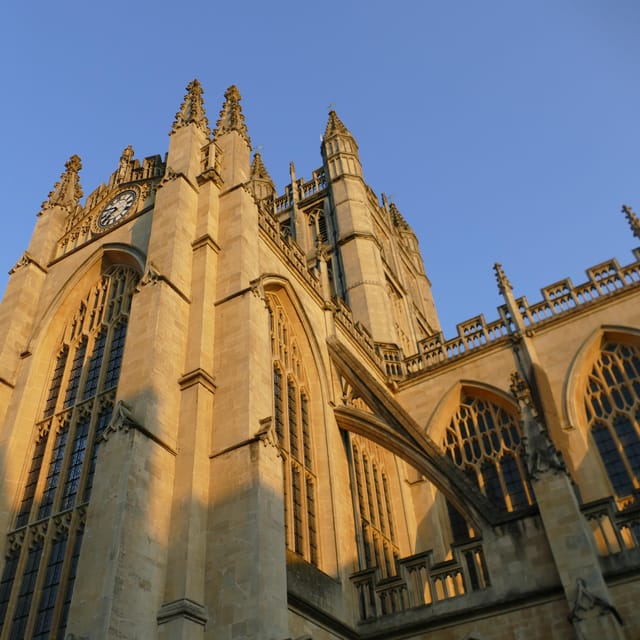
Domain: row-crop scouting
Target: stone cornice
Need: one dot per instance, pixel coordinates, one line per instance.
(197, 377)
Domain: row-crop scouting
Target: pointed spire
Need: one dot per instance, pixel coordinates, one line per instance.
(231, 116)
(503, 283)
(67, 191)
(260, 183)
(192, 110)
(335, 126)
(634, 221)
(258, 170)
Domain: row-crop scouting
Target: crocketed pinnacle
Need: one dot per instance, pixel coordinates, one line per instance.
(397, 218)
(231, 116)
(258, 170)
(192, 110)
(634, 221)
(503, 283)
(335, 126)
(260, 184)
(67, 191)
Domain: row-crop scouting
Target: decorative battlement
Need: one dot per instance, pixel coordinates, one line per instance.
(288, 248)
(301, 190)
(559, 299)
(421, 582)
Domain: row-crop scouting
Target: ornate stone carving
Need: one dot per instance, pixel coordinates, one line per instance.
(335, 126)
(503, 282)
(540, 452)
(67, 191)
(632, 218)
(266, 434)
(151, 276)
(586, 601)
(121, 420)
(25, 260)
(123, 172)
(231, 116)
(192, 110)
(260, 184)
(398, 219)
(15, 541)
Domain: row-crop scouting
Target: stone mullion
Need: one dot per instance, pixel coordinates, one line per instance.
(47, 547)
(93, 413)
(17, 581)
(31, 537)
(70, 530)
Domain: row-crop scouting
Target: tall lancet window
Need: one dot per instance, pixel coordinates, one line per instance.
(484, 440)
(373, 505)
(293, 429)
(43, 545)
(612, 403)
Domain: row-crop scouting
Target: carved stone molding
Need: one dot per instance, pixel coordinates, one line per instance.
(197, 376)
(192, 110)
(25, 261)
(121, 420)
(266, 434)
(152, 276)
(183, 608)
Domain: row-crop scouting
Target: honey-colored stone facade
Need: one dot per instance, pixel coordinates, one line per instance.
(227, 413)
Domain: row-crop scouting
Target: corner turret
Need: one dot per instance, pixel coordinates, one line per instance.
(339, 148)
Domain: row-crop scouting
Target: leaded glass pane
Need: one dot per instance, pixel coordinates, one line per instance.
(490, 459)
(612, 404)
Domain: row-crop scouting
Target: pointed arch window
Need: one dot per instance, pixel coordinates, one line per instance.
(373, 507)
(612, 404)
(483, 439)
(291, 410)
(36, 584)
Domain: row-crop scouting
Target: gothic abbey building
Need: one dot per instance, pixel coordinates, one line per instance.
(231, 414)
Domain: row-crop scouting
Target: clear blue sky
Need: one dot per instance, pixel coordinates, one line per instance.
(505, 130)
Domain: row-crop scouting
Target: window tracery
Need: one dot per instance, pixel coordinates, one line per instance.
(372, 503)
(36, 585)
(612, 403)
(483, 439)
(293, 430)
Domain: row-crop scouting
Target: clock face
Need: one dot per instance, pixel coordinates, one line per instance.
(117, 208)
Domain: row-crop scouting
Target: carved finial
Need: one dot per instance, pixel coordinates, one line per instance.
(540, 452)
(634, 221)
(503, 283)
(123, 172)
(260, 183)
(192, 110)
(335, 125)
(231, 116)
(67, 191)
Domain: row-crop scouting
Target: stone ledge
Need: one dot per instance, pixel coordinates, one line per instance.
(183, 608)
